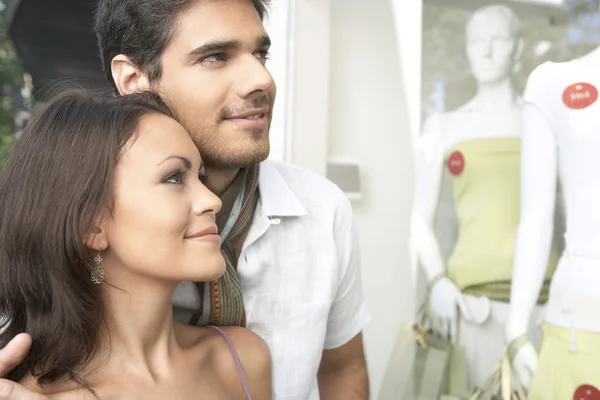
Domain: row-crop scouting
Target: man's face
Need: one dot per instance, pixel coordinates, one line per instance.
(491, 46)
(215, 79)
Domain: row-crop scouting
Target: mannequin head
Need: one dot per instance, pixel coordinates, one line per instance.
(494, 43)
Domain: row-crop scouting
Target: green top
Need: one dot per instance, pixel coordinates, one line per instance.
(486, 190)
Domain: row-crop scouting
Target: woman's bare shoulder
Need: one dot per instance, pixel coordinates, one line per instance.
(255, 360)
(213, 352)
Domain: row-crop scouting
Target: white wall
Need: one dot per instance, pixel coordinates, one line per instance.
(310, 84)
(369, 123)
(279, 26)
(348, 91)
(408, 19)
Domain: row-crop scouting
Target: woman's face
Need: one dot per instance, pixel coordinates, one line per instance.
(163, 220)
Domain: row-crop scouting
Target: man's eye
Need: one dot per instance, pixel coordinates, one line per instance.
(214, 58)
(263, 54)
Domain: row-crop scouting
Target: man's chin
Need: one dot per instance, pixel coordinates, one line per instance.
(237, 158)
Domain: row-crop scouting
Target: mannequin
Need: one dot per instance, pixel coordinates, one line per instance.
(479, 145)
(560, 140)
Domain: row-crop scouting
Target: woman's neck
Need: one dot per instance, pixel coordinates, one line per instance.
(137, 341)
(139, 331)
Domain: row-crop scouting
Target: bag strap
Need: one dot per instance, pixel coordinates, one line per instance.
(504, 377)
(488, 386)
(515, 345)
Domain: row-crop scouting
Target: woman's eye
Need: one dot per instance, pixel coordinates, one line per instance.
(176, 178)
(202, 177)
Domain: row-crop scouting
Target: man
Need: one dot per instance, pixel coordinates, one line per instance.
(293, 271)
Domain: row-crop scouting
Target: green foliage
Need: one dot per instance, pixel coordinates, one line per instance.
(11, 81)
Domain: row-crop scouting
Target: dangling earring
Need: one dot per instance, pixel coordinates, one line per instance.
(97, 273)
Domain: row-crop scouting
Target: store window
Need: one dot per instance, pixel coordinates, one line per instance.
(507, 218)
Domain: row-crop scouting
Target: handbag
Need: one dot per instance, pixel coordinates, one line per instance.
(425, 365)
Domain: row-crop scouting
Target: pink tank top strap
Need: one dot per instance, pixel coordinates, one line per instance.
(238, 364)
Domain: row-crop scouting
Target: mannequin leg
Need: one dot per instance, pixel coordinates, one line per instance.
(484, 344)
(560, 371)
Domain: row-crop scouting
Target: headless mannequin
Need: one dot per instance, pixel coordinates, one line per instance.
(560, 140)
(494, 46)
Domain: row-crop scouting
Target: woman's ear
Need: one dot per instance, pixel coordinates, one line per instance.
(97, 240)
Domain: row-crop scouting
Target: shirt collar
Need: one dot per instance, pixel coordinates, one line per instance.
(276, 197)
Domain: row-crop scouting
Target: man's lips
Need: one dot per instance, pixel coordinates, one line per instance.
(254, 113)
(250, 119)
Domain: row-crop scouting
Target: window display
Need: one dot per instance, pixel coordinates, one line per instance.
(509, 97)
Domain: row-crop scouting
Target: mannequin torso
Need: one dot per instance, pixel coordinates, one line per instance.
(491, 139)
(560, 141)
(563, 110)
(486, 203)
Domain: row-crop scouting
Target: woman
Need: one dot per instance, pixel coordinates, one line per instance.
(102, 213)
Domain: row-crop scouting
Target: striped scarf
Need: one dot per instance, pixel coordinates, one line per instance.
(221, 301)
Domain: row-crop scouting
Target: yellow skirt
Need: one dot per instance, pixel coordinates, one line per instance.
(561, 372)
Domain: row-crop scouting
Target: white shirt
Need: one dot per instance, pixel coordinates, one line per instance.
(562, 120)
(300, 275)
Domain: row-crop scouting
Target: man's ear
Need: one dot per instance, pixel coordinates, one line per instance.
(127, 76)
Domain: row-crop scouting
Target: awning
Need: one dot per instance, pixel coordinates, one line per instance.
(55, 41)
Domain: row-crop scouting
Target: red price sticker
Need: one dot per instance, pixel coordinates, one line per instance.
(580, 95)
(456, 163)
(586, 392)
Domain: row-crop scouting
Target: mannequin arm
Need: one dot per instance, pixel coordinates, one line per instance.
(534, 236)
(429, 176)
(445, 297)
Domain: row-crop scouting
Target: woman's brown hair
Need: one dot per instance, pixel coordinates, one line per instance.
(55, 184)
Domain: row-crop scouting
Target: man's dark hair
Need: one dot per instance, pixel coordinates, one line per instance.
(56, 184)
(141, 30)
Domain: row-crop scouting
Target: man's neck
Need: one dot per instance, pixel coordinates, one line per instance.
(219, 180)
(226, 184)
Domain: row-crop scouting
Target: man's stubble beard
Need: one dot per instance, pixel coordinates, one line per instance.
(218, 155)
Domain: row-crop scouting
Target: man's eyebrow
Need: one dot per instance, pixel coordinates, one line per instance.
(263, 41)
(224, 45)
(214, 46)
